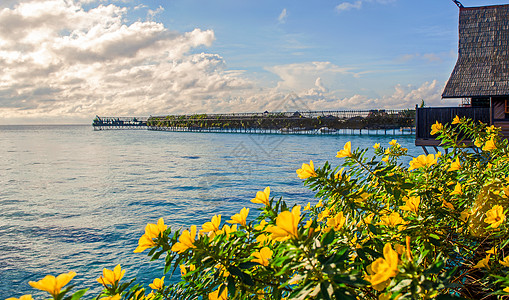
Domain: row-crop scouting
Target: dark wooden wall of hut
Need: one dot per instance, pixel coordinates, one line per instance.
(425, 117)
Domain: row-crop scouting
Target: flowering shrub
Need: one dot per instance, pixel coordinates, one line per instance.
(381, 229)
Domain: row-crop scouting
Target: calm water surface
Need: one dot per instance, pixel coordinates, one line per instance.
(76, 199)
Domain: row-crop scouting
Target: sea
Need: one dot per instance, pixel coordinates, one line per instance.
(75, 199)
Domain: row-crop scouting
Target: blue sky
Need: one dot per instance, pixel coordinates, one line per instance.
(70, 60)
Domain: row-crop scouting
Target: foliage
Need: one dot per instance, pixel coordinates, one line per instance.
(375, 119)
(381, 230)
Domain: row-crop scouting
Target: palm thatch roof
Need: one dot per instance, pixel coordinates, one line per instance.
(482, 69)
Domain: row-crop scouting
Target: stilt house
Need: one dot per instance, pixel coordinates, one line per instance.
(481, 75)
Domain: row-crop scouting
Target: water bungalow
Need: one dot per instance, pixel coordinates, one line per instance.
(102, 123)
(481, 74)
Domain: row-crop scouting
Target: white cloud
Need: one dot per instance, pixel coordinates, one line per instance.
(303, 75)
(152, 13)
(403, 97)
(348, 6)
(282, 16)
(58, 59)
(345, 6)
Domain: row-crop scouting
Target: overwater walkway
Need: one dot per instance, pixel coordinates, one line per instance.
(310, 122)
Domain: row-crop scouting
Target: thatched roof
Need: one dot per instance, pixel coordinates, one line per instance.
(482, 68)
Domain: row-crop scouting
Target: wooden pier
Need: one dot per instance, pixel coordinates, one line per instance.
(310, 122)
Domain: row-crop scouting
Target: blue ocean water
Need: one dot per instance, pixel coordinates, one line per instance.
(76, 199)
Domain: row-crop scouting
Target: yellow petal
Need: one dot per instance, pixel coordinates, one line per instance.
(346, 152)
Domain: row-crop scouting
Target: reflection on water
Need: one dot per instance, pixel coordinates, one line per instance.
(75, 199)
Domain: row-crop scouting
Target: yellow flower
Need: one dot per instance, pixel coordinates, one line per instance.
(213, 225)
(24, 297)
(240, 218)
(446, 204)
(493, 251)
(483, 263)
(456, 165)
(324, 214)
(215, 294)
(152, 231)
(393, 142)
(382, 269)
(262, 197)
(478, 143)
(399, 248)
(361, 197)
(412, 204)
(391, 220)
(457, 190)
(308, 223)
(464, 215)
(504, 262)
(306, 171)
(261, 225)
(226, 230)
(456, 120)
(157, 284)
(495, 216)
(506, 289)
(263, 239)
(319, 204)
(346, 152)
(423, 161)
(51, 284)
(183, 270)
(435, 128)
(337, 221)
(490, 145)
(339, 175)
(376, 146)
(286, 225)
(111, 277)
(491, 130)
(369, 218)
(186, 241)
(114, 297)
(222, 270)
(385, 159)
(308, 206)
(263, 256)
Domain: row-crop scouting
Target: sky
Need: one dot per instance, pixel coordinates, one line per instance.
(66, 61)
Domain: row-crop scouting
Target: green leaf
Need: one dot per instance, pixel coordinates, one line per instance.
(325, 288)
(328, 237)
(78, 294)
(235, 271)
(340, 294)
(64, 292)
(231, 285)
(372, 228)
(248, 265)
